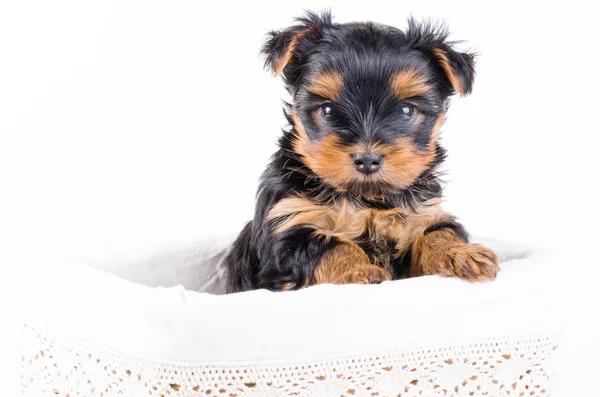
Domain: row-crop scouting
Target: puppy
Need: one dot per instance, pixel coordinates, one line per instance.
(352, 194)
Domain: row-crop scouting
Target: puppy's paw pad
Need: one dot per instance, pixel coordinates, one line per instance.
(472, 262)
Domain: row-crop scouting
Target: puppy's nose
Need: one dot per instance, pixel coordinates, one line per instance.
(367, 163)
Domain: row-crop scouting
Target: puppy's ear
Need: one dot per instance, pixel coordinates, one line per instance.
(281, 46)
(458, 67)
(288, 47)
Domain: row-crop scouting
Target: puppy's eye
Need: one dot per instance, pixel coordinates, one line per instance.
(327, 111)
(407, 112)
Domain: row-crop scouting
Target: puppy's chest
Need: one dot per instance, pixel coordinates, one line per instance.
(362, 225)
(379, 233)
(383, 234)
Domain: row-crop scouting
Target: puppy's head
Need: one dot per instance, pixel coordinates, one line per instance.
(368, 99)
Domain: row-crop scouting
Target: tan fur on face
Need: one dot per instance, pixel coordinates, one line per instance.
(327, 157)
(449, 70)
(403, 163)
(408, 83)
(332, 161)
(328, 85)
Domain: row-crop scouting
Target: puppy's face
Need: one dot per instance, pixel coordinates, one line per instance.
(368, 100)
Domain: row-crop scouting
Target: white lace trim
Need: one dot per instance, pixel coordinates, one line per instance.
(55, 363)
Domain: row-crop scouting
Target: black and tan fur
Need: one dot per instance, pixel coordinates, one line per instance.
(358, 89)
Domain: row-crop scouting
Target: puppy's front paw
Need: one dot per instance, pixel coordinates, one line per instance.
(472, 262)
(365, 274)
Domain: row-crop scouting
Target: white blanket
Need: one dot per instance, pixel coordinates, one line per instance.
(147, 306)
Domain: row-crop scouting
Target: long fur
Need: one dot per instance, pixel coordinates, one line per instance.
(363, 53)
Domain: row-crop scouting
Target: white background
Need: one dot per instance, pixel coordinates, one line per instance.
(158, 117)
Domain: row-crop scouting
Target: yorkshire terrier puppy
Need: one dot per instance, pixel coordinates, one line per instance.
(352, 195)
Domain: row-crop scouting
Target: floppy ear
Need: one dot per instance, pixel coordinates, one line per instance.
(284, 48)
(281, 46)
(458, 67)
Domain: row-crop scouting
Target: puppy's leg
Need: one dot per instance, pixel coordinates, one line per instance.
(347, 263)
(444, 249)
(302, 257)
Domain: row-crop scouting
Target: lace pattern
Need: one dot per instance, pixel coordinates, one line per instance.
(57, 364)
